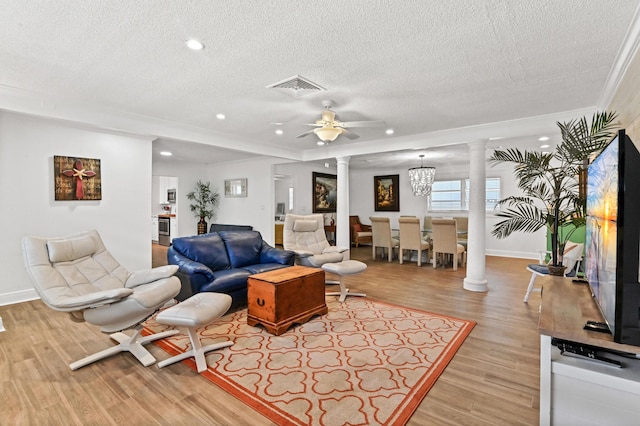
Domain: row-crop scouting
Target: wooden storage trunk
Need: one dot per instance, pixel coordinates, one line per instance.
(278, 299)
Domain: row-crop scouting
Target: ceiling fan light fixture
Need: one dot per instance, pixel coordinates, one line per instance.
(328, 134)
(421, 179)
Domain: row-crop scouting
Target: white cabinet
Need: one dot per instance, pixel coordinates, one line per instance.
(165, 183)
(586, 392)
(154, 228)
(173, 228)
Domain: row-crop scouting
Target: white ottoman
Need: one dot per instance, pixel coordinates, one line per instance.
(346, 267)
(199, 309)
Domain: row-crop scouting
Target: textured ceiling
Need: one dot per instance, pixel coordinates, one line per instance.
(423, 67)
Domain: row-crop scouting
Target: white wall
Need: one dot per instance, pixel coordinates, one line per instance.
(27, 147)
(258, 207)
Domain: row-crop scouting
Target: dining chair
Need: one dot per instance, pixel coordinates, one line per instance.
(426, 228)
(411, 238)
(462, 224)
(381, 238)
(445, 241)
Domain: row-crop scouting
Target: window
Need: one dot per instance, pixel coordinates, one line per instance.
(447, 195)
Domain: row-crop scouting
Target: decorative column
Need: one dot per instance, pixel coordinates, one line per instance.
(476, 257)
(342, 211)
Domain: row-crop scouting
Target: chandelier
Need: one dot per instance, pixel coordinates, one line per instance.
(421, 179)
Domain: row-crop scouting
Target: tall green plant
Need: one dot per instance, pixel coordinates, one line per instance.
(205, 200)
(551, 182)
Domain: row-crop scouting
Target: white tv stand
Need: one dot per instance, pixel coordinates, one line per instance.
(576, 390)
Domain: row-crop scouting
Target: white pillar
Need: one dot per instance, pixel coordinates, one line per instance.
(342, 209)
(476, 257)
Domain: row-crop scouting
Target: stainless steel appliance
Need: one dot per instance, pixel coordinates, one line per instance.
(171, 195)
(164, 231)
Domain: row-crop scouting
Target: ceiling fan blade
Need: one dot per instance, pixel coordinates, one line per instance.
(349, 135)
(364, 123)
(302, 135)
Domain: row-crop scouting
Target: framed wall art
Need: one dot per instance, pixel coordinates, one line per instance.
(235, 187)
(386, 193)
(76, 178)
(325, 192)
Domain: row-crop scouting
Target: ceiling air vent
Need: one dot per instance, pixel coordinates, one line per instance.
(297, 86)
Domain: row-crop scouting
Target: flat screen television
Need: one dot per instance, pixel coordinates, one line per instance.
(613, 237)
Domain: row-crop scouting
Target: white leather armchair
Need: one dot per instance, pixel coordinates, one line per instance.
(77, 274)
(304, 235)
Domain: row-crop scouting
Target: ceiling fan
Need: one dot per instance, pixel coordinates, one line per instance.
(328, 128)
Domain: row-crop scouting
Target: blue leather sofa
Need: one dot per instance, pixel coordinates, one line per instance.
(221, 262)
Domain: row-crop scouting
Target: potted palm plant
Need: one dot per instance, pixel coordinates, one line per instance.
(553, 184)
(205, 201)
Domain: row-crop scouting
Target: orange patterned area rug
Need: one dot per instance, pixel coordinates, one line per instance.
(363, 363)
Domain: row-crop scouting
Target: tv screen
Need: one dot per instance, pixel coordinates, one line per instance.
(613, 237)
(601, 234)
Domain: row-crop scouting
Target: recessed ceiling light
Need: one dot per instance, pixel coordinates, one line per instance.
(320, 143)
(389, 131)
(166, 153)
(220, 116)
(279, 132)
(194, 44)
(544, 146)
(543, 138)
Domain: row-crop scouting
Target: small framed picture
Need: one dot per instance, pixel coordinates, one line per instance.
(386, 193)
(235, 187)
(325, 192)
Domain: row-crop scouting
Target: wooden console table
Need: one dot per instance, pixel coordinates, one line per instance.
(278, 299)
(575, 390)
(330, 231)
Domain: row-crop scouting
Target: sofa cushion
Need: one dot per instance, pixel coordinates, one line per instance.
(264, 267)
(227, 281)
(208, 249)
(243, 247)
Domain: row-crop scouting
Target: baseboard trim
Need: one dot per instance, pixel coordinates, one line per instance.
(514, 254)
(18, 297)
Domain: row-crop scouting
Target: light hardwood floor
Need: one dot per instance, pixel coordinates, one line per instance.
(492, 380)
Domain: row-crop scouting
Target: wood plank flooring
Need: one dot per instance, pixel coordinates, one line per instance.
(492, 380)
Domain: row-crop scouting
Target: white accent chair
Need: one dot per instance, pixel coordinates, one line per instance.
(445, 241)
(571, 258)
(381, 236)
(304, 235)
(77, 274)
(411, 238)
